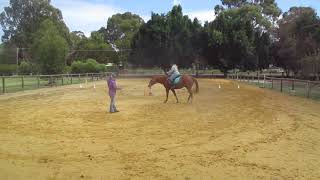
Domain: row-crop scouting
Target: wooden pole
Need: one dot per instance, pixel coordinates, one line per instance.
(22, 82)
(51, 82)
(71, 79)
(271, 83)
(3, 85)
(38, 78)
(62, 80)
(292, 84)
(308, 89)
(281, 85)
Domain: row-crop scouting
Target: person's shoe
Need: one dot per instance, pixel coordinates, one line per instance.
(116, 111)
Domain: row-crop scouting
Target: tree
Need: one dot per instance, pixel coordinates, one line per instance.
(7, 53)
(93, 47)
(49, 49)
(76, 37)
(234, 38)
(170, 38)
(268, 7)
(299, 41)
(121, 29)
(22, 18)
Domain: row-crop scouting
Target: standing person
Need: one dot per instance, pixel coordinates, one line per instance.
(173, 73)
(112, 92)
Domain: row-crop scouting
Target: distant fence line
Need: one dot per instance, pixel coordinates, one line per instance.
(305, 88)
(10, 84)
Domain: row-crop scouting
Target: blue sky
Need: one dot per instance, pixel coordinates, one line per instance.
(89, 15)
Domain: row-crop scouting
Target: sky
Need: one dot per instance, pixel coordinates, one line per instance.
(90, 15)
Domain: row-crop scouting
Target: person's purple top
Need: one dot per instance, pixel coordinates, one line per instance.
(112, 86)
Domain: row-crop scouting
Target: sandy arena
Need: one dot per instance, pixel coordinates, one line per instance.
(227, 133)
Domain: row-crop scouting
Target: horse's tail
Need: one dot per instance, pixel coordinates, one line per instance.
(197, 85)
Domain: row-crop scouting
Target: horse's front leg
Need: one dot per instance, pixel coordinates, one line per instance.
(167, 91)
(175, 95)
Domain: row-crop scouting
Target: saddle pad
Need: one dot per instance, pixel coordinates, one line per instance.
(177, 80)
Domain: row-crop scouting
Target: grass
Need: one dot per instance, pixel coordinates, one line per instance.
(14, 84)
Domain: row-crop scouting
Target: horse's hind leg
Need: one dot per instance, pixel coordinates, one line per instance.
(190, 95)
(174, 92)
(167, 91)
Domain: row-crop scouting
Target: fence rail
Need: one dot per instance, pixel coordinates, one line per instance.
(297, 87)
(9, 84)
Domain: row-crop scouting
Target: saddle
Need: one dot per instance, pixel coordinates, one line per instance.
(176, 81)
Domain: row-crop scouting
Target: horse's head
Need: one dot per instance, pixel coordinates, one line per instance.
(157, 79)
(152, 82)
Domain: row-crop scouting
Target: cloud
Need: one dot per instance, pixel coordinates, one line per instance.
(86, 16)
(202, 15)
(146, 18)
(176, 2)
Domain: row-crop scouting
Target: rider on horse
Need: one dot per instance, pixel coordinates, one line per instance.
(173, 74)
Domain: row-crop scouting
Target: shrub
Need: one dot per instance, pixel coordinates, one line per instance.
(77, 67)
(8, 69)
(101, 68)
(67, 70)
(89, 66)
(26, 68)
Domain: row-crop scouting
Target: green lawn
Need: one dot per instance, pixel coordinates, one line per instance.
(14, 84)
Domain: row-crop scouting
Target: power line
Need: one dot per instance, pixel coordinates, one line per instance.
(99, 50)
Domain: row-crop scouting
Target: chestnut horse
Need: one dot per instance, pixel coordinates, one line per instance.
(185, 81)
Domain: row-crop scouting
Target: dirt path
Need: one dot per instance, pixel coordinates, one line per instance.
(227, 133)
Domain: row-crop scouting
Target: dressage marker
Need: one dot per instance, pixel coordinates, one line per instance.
(148, 92)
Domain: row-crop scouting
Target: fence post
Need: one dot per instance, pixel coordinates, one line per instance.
(71, 79)
(292, 84)
(51, 81)
(38, 78)
(258, 78)
(271, 83)
(264, 81)
(308, 89)
(22, 82)
(86, 78)
(79, 79)
(62, 80)
(3, 85)
(281, 85)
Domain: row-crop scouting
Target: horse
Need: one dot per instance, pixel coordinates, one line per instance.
(185, 81)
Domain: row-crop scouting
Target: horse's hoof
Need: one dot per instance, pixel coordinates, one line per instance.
(164, 101)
